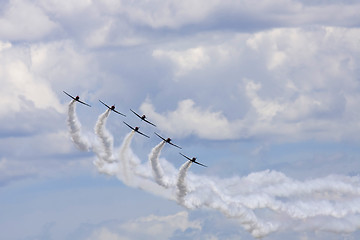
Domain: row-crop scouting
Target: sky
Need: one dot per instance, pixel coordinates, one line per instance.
(265, 94)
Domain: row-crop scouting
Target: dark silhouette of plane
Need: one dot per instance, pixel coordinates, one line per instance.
(167, 140)
(77, 99)
(112, 108)
(136, 129)
(143, 117)
(193, 160)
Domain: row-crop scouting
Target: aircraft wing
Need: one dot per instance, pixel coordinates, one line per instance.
(119, 113)
(159, 136)
(200, 164)
(112, 109)
(174, 145)
(105, 104)
(185, 156)
(83, 103)
(149, 122)
(143, 134)
(129, 126)
(192, 160)
(77, 99)
(167, 142)
(135, 113)
(142, 118)
(69, 95)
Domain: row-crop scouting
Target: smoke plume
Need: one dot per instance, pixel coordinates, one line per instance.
(262, 202)
(81, 142)
(106, 139)
(181, 184)
(157, 170)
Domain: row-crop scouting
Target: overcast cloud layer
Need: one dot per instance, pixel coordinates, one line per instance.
(272, 85)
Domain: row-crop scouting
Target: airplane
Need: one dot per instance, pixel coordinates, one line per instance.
(193, 160)
(77, 99)
(112, 108)
(143, 117)
(136, 129)
(168, 140)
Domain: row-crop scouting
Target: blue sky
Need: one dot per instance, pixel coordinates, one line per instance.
(266, 94)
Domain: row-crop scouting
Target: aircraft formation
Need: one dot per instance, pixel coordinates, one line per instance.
(136, 129)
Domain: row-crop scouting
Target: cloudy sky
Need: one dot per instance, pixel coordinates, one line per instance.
(266, 94)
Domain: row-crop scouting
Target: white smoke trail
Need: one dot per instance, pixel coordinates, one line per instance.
(126, 159)
(326, 204)
(262, 202)
(158, 172)
(207, 197)
(81, 142)
(106, 139)
(181, 184)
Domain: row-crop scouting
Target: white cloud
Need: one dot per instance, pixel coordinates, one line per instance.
(309, 90)
(65, 8)
(105, 234)
(113, 32)
(4, 45)
(326, 51)
(23, 20)
(160, 14)
(184, 61)
(62, 63)
(301, 83)
(188, 119)
(161, 227)
(35, 156)
(151, 227)
(174, 15)
(318, 116)
(20, 86)
(265, 109)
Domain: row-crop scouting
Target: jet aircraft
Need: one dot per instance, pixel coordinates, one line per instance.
(136, 129)
(193, 160)
(143, 117)
(112, 108)
(167, 140)
(77, 99)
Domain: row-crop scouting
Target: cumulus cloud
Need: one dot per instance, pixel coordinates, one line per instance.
(62, 63)
(296, 82)
(159, 227)
(21, 86)
(64, 8)
(184, 61)
(160, 14)
(188, 119)
(266, 110)
(104, 233)
(274, 118)
(23, 20)
(31, 21)
(307, 84)
(242, 15)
